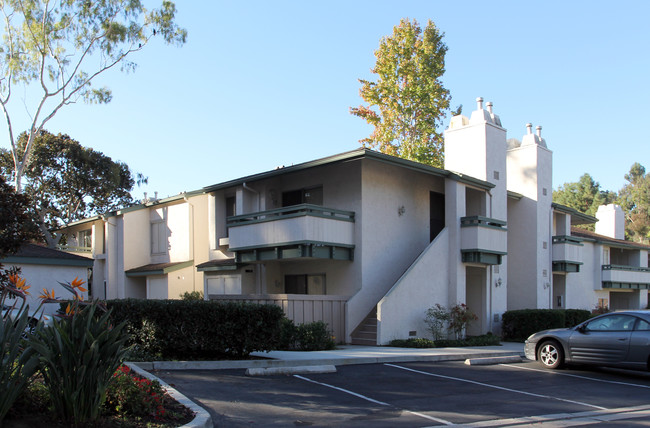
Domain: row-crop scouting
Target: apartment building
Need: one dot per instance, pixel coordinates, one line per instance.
(367, 242)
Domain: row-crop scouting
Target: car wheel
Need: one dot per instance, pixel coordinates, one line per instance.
(550, 354)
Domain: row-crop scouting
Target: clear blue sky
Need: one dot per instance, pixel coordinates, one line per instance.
(261, 84)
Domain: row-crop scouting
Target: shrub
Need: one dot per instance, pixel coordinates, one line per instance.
(79, 355)
(313, 336)
(484, 340)
(519, 324)
(412, 342)
(129, 394)
(436, 319)
(455, 319)
(181, 330)
(192, 295)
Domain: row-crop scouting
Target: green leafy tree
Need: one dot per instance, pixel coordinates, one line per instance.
(16, 225)
(58, 49)
(408, 101)
(68, 182)
(585, 196)
(634, 198)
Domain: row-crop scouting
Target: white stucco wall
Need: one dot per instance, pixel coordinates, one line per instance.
(389, 242)
(403, 308)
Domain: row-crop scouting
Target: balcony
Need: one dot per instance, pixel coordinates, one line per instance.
(483, 240)
(567, 253)
(298, 231)
(632, 277)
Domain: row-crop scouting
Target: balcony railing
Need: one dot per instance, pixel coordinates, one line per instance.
(289, 212)
(75, 249)
(618, 276)
(296, 231)
(567, 253)
(483, 239)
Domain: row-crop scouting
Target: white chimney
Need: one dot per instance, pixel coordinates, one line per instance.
(611, 221)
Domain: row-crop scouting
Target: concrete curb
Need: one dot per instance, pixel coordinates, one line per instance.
(333, 360)
(202, 418)
(290, 370)
(493, 360)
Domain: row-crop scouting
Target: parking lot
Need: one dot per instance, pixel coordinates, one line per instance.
(420, 394)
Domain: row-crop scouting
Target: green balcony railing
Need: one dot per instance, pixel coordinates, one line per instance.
(289, 212)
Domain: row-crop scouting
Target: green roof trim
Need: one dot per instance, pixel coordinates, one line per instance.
(580, 218)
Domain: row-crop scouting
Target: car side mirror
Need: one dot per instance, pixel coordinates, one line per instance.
(582, 328)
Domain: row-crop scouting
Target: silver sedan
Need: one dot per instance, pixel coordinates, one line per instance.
(617, 339)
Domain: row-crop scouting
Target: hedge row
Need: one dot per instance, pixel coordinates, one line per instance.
(518, 325)
(186, 330)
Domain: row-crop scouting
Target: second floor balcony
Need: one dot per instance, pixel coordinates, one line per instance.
(567, 253)
(292, 232)
(483, 240)
(617, 276)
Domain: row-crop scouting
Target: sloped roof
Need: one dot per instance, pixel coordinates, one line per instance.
(38, 254)
(620, 243)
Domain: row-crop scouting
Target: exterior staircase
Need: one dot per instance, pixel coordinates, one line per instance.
(366, 333)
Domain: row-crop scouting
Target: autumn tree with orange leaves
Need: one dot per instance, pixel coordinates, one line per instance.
(408, 102)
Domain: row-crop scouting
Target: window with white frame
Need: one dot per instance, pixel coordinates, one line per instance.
(158, 237)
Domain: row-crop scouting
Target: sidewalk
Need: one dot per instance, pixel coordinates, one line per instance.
(343, 355)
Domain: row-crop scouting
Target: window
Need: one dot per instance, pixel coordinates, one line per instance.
(304, 284)
(312, 195)
(612, 323)
(158, 237)
(643, 325)
(605, 256)
(85, 238)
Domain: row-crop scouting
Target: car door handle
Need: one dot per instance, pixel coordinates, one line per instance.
(622, 339)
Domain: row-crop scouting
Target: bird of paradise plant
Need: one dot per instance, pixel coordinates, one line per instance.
(19, 361)
(79, 353)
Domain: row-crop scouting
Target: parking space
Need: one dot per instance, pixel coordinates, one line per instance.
(409, 394)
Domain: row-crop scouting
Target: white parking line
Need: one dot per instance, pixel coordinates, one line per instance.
(496, 387)
(431, 418)
(556, 373)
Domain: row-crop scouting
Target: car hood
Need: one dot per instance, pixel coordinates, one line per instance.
(553, 332)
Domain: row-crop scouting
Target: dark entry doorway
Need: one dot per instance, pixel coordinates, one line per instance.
(436, 213)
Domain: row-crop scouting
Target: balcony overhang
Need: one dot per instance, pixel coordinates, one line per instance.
(293, 251)
(566, 266)
(483, 240)
(158, 268)
(485, 257)
(626, 277)
(567, 253)
(297, 231)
